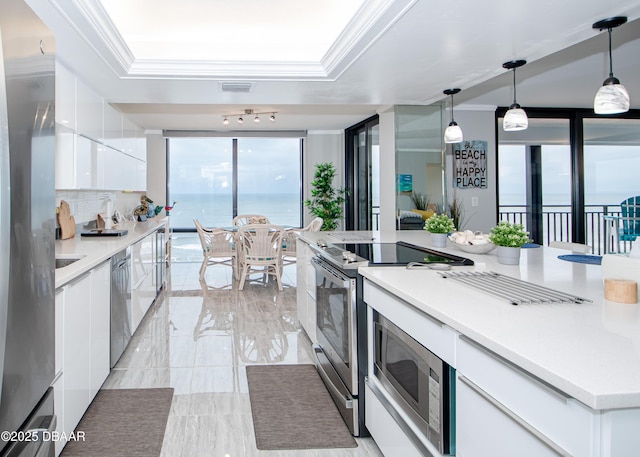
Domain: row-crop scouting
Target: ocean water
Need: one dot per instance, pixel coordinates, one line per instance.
(215, 210)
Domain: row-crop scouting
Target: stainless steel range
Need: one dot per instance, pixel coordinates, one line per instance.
(341, 315)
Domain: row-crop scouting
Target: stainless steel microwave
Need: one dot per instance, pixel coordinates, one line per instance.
(420, 382)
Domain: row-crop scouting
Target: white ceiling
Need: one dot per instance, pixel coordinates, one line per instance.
(390, 52)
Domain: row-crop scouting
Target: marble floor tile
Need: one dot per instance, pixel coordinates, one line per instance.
(199, 337)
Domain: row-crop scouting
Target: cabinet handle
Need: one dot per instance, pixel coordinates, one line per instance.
(411, 435)
(515, 418)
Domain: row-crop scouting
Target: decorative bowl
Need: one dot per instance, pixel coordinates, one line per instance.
(476, 248)
(472, 242)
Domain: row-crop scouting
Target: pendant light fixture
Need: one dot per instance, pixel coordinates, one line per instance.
(612, 97)
(515, 119)
(453, 133)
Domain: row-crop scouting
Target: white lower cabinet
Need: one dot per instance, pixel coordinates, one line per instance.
(388, 435)
(486, 427)
(100, 326)
(142, 279)
(306, 289)
(494, 397)
(82, 343)
(77, 351)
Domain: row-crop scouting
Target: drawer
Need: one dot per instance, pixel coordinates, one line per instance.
(436, 336)
(562, 419)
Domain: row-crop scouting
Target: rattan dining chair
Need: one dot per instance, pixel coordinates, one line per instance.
(218, 247)
(289, 250)
(259, 251)
(245, 219)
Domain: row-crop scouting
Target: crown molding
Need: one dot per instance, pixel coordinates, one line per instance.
(91, 21)
(371, 21)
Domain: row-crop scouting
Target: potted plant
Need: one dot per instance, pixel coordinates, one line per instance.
(421, 203)
(509, 238)
(439, 225)
(326, 201)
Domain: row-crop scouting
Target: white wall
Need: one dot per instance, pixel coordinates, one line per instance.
(477, 123)
(156, 167)
(387, 170)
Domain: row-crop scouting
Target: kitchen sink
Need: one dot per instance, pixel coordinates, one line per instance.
(65, 261)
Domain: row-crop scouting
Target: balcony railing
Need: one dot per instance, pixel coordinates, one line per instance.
(557, 224)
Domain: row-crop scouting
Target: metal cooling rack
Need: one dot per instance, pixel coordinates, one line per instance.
(515, 291)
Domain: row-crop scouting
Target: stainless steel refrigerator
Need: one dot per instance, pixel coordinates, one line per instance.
(27, 227)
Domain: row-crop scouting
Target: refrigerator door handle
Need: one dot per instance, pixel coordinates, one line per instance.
(5, 214)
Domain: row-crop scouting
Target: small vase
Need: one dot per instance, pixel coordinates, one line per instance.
(438, 240)
(507, 255)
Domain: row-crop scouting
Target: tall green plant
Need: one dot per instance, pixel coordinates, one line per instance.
(326, 201)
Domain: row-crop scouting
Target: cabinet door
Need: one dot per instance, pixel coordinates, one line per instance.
(142, 271)
(65, 97)
(302, 264)
(88, 112)
(77, 350)
(65, 159)
(100, 325)
(112, 127)
(59, 329)
(58, 385)
(485, 427)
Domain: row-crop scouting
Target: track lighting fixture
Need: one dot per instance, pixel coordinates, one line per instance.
(515, 119)
(248, 112)
(612, 97)
(453, 133)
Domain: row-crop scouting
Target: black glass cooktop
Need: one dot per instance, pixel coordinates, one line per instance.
(401, 253)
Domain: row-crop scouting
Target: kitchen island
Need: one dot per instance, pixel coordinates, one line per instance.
(569, 372)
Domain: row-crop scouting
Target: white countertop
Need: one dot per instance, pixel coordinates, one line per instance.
(96, 250)
(590, 351)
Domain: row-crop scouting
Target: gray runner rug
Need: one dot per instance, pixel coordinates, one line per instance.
(292, 409)
(123, 422)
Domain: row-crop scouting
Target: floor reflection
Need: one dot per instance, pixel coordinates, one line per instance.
(198, 337)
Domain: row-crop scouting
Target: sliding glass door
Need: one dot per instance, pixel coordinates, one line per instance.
(215, 179)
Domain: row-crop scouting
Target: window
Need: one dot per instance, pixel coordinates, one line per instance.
(214, 179)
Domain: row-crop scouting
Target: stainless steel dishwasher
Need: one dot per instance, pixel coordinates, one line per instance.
(120, 303)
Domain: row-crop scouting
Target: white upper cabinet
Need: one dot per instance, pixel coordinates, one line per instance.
(89, 112)
(112, 127)
(65, 98)
(97, 148)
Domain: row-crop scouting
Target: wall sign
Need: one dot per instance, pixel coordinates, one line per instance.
(404, 184)
(470, 164)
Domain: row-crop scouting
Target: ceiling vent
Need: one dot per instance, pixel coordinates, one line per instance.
(235, 87)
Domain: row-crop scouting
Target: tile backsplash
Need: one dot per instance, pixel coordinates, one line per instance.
(86, 204)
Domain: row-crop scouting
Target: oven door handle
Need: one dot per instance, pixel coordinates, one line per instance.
(345, 399)
(331, 275)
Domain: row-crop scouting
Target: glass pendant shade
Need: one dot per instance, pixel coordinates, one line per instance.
(611, 99)
(515, 119)
(453, 133)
